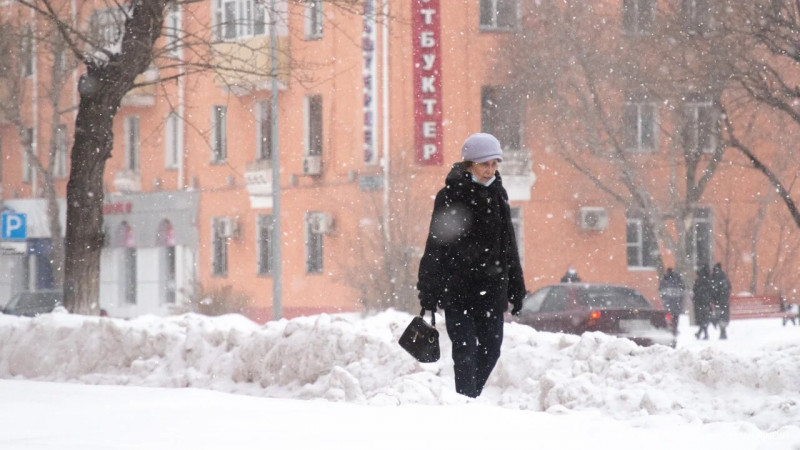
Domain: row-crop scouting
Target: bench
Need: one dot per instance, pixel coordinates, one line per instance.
(762, 307)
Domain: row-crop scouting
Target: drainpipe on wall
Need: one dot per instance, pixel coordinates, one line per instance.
(277, 305)
(385, 117)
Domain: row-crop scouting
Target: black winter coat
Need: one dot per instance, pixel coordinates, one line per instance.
(703, 297)
(471, 257)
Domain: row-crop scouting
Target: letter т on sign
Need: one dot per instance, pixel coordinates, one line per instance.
(426, 34)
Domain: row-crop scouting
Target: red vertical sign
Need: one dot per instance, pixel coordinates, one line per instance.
(426, 34)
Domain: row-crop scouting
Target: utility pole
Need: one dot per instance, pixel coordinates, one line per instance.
(277, 285)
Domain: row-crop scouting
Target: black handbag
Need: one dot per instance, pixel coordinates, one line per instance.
(421, 340)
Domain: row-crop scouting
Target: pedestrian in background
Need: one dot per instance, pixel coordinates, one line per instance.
(671, 289)
(471, 266)
(721, 295)
(703, 297)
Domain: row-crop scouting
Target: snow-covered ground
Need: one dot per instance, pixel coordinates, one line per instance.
(341, 381)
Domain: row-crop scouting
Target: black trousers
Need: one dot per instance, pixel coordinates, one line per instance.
(476, 336)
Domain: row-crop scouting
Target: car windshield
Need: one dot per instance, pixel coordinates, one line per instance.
(612, 297)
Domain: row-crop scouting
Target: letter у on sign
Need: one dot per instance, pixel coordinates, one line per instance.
(426, 34)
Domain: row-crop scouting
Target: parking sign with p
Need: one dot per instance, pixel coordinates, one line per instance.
(14, 226)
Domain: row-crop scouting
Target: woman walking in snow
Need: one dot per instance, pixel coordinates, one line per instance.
(471, 266)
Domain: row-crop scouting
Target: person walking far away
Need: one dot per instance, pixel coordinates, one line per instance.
(721, 296)
(571, 276)
(671, 290)
(471, 266)
(703, 296)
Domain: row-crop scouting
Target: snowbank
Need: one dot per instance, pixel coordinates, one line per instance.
(353, 359)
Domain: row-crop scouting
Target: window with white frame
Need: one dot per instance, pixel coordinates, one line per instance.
(639, 123)
(516, 221)
(239, 19)
(60, 161)
(498, 15)
(638, 16)
(173, 140)
(501, 116)
(219, 133)
(314, 245)
(132, 143)
(697, 16)
(702, 238)
(107, 28)
(263, 130)
(641, 243)
(313, 125)
(701, 124)
(264, 239)
(313, 19)
(27, 154)
(28, 50)
(219, 246)
(173, 23)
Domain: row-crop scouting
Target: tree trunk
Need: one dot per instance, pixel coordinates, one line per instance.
(84, 236)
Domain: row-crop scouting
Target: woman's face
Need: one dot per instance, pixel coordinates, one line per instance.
(485, 171)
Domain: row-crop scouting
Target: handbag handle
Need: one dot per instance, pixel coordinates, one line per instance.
(433, 317)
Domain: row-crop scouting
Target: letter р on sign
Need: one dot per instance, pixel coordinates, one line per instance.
(14, 226)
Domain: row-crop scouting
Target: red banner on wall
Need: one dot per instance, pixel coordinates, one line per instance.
(426, 34)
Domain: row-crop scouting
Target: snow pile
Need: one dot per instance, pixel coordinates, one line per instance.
(353, 359)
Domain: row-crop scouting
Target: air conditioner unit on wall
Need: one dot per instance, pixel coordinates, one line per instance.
(593, 218)
(320, 223)
(312, 165)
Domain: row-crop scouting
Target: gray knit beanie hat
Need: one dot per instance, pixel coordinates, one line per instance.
(481, 147)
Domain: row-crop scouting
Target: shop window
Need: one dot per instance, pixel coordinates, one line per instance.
(219, 134)
(639, 123)
(314, 125)
(314, 246)
(498, 15)
(501, 116)
(638, 16)
(265, 242)
(219, 245)
(166, 240)
(641, 243)
(314, 19)
(132, 143)
(125, 239)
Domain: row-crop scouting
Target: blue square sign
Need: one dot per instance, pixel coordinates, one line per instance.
(14, 226)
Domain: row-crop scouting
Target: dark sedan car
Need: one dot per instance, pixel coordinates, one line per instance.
(32, 304)
(580, 307)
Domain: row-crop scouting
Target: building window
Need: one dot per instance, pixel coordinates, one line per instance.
(314, 244)
(219, 244)
(702, 238)
(516, 221)
(501, 116)
(29, 146)
(239, 19)
(314, 125)
(60, 161)
(313, 19)
(638, 16)
(263, 130)
(126, 241)
(132, 143)
(639, 123)
(697, 16)
(701, 126)
(107, 27)
(173, 140)
(173, 23)
(498, 14)
(264, 241)
(219, 134)
(28, 52)
(641, 243)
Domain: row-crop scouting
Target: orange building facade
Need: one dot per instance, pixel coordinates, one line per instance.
(371, 113)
